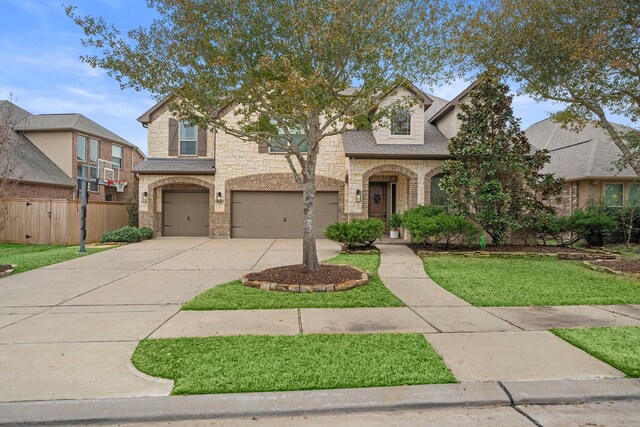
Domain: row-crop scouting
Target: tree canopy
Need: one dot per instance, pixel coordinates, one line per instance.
(494, 177)
(584, 53)
(297, 71)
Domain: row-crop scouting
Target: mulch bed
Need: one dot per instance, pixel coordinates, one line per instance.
(619, 265)
(297, 275)
(504, 248)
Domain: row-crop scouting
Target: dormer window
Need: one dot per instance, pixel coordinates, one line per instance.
(401, 123)
(188, 139)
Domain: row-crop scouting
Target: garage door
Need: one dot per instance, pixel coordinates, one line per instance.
(268, 214)
(186, 213)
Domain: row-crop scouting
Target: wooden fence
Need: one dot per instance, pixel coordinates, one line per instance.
(57, 222)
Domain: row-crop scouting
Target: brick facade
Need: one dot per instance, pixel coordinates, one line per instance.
(25, 190)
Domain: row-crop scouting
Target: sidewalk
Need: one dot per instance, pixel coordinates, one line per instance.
(477, 344)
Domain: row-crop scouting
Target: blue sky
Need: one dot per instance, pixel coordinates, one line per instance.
(40, 66)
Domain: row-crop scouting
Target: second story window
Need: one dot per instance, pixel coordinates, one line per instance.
(81, 146)
(188, 139)
(401, 123)
(116, 156)
(298, 139)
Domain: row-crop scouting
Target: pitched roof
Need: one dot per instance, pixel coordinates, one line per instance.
(589, 153)
(72, 121)
(178, 166)
(452, 104)
(29, 164)
(362, 143)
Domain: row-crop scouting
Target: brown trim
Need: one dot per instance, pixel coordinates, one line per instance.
(174, 137)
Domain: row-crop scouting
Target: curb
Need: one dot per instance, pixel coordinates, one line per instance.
(296, 403)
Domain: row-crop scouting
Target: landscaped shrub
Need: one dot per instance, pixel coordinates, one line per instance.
(549, 226)
(358, 232)
(147, 233)
(592, 225)
(125, 234)
(431, 224)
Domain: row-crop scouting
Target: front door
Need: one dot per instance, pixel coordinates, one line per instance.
(378, 201)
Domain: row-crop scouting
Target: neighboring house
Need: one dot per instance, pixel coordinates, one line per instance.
(56, 148)
(197, 182)
(37, 176)
(585, 160)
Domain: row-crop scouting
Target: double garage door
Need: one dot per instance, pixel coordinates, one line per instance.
(269, 214)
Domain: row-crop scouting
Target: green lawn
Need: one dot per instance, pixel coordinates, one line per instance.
(619, 346)
(489, 282)
(236, 296)
(303, 362)
(29, 257)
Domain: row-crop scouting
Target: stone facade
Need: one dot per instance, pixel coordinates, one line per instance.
(150, 205)
(240, 166)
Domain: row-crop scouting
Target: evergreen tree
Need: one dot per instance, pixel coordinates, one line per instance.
(494, 177)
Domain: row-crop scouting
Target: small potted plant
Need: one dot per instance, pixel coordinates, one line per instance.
(395, 222)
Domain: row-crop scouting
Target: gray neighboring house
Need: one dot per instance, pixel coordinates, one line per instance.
(585, 160)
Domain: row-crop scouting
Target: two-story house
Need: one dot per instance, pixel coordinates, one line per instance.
(56, 149)
(199, 182)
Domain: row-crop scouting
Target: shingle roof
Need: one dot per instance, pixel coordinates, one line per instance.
(73, 121)
(446, 108)
(29, 164)
(362, 144)
(586, 154)
(176, 166)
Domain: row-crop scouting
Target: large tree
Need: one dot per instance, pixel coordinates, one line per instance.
(584, 53)
(494, 177)
(10, 145)
(288, 67)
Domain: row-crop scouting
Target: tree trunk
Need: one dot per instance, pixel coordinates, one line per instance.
(617, 139)
(309, 251)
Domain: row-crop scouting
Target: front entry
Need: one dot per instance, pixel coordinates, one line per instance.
(378, 201)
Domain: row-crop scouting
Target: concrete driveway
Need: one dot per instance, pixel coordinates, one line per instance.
(68, 330)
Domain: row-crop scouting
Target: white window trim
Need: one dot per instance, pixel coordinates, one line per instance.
(401, 135)
(189, 140)
(121, 155)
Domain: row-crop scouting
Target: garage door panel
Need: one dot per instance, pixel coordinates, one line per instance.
(269, 214)
(186, 213)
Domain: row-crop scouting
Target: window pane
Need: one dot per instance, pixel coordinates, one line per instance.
(93, 174)
(116, 155)
(438, 195)
(187, 132)
(299, 140)
(95, 150)
(401, 123)
(613, 195)
(634, 194)
(187, 148)
(82, 148)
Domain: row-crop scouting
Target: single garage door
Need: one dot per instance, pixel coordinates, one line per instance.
(270, 214)
(186, 213)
